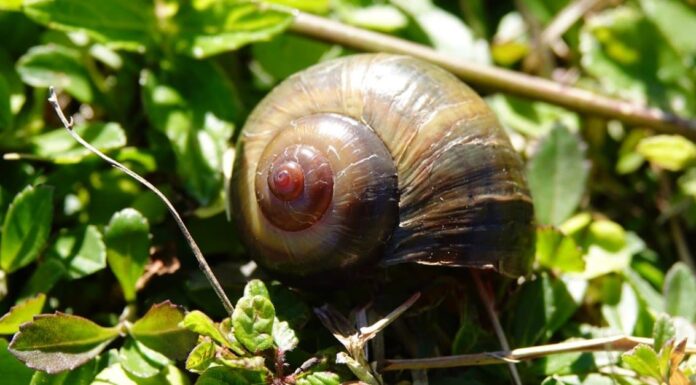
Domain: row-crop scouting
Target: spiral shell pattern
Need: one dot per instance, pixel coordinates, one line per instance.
(419, 167)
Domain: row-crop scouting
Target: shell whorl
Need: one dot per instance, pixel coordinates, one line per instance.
(449, 188)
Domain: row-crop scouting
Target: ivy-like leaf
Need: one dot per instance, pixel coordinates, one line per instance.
(119, 24)
(557, 174)
(21, 313)
(26, 227)
(209, 28)
(57, 342)
(252, 320)
(127, 239)
(159, 330)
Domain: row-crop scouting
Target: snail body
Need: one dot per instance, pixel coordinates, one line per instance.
(379, 159)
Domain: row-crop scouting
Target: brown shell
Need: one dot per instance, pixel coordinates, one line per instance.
(462, 198)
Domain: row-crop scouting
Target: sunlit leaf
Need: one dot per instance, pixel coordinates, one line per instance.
(212, 27)
(60, 147)
(127, 240)
(557, 175)
(26, 227)
(671, 152)
(120, 24)
(21, 313)
(57, 66)
(253, 322)
(680, 286)
(57, 342)
(159, 330)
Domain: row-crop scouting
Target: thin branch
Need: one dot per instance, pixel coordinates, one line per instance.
(497, 79)
(565, 19)
(202, 263)
(488, 303)
(614, 343)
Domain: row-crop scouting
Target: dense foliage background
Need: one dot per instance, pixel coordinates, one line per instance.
(164, 86)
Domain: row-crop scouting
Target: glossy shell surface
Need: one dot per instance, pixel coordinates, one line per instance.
(427, 174)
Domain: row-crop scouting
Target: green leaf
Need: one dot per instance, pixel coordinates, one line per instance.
(621, 313)
(671, 152)
(676, 19)
(81, 250)
(606, 234)
(631, 58)
(199, 323)
(116, 375)
(128, 241)
(313, 6)
(220, 375)
(5, 107)
(201, 357)
(534, 119)
(663, 330)
(680, 286)
(26, 227)
(118, 24)
(643, 360)
(557, 175)
(60, 147)
(447, 33)
(283, 335)
(255, 363)
(57, 66)
(57, 342)
(541, 308)
(44, 277)
(287, 54)
(554, 250)
(80, 376)
(379, 17)
(159, 330)
(195, 106)
(21, 313)
(211, 27)
(138, 360)
(320, 378)
(12, 371)
(253, 322)
(256, 287)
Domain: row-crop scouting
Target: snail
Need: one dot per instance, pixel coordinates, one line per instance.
(378, 159)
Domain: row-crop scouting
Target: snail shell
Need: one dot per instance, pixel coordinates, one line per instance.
(379, 158)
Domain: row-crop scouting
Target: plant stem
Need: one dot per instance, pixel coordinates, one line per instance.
(489, 304)
(202, 263)
(614, 343)
(497, 79)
